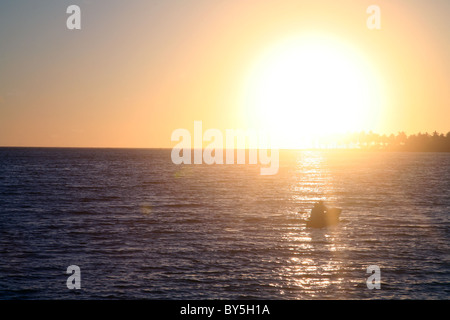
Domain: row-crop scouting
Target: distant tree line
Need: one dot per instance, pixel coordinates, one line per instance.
(425, 142)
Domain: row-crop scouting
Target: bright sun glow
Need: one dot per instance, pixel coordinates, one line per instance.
(308, 88)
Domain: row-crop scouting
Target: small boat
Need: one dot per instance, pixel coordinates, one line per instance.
(330, 218)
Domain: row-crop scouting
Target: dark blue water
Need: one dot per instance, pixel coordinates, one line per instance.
(140, 227)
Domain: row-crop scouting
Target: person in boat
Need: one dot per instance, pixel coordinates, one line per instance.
(318, 211)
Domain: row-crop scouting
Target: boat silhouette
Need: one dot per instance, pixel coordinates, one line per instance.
(329, 218)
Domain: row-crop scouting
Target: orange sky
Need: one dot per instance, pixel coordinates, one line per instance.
(138, 70)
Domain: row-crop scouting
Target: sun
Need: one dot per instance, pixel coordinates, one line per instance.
(305, 89)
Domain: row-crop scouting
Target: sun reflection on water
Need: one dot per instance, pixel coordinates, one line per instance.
(313, 264)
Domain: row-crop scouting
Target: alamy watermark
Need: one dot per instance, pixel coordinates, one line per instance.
(374, 280)
(74, 281)
(237, 143)
(374, 20)
(74, 20)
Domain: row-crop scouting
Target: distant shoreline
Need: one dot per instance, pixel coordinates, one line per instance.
(281, 150)
(361, 141)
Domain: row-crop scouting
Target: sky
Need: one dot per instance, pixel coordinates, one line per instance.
(138, 70)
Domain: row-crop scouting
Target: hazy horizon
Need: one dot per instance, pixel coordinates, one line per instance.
(330, 144)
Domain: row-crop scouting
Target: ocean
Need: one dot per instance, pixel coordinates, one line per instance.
(140, 227)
